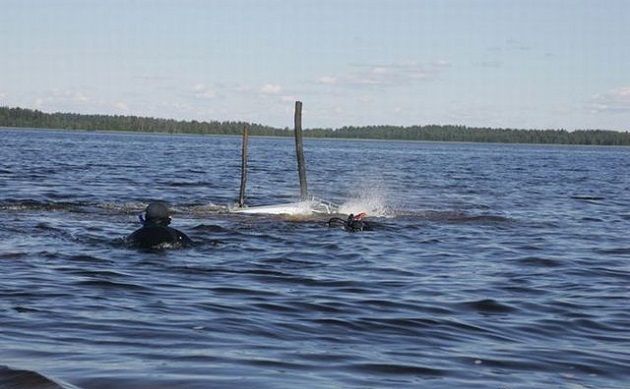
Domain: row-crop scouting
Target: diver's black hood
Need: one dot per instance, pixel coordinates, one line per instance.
(157, 213)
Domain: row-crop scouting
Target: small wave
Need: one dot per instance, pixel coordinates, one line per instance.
(210, 228)
(587, 197)
(396, 369)
(461, 217)
(205, 209)
(12, 255)
(186, 184)
(539, 262)
(615, 251)
(592, 219)
(488, 306)
(107, 284)
(487, 219)
(87, 259)
(21, 309)
(126, 208)
(36, 205)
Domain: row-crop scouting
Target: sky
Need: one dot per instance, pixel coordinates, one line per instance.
(529, 64)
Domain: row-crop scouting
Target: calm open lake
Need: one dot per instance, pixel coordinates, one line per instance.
(490, 266)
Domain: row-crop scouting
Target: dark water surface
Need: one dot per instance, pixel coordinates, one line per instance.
(492, 266)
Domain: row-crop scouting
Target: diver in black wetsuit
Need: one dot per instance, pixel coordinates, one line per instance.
(155, 232)
(352, 223)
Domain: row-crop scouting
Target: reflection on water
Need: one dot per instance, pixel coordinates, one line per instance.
(490, 265)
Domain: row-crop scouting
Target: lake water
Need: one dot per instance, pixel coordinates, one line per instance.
(490, 266)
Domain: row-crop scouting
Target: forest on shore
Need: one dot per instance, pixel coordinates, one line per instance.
(28, 118)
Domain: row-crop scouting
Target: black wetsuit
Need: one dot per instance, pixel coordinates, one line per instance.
(158, 236)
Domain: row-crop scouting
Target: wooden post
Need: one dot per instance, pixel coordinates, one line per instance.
(241, 200)
(300, 151)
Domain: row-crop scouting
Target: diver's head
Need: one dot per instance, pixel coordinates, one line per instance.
(158, 213)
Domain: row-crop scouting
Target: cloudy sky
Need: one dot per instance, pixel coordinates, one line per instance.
(492, 63)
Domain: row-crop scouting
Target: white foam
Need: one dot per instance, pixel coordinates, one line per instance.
(371, 199)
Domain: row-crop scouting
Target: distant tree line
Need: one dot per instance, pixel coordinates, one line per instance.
(454, 133)
(28, 118)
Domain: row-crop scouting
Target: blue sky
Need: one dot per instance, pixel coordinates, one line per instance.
(491, 63)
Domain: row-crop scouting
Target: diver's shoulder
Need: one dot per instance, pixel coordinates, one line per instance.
(150, 236)
(182, 238)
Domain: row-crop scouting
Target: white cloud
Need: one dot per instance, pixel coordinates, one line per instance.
(490, 64)
(390, 75)
(380, 70)
(80, 96)
(67, 95)
(327, 80)
(616, 100)
(121, 107)
(201, 91)
(271, 89)
(64, 101)
(207, 95)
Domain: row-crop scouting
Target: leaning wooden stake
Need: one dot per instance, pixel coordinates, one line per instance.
(241, 200)
(300, 151)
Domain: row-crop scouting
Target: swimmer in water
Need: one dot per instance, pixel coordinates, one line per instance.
(353, 223)
(155, 232)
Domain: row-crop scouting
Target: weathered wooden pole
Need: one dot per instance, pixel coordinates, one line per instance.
(241, 200)
(300, 151)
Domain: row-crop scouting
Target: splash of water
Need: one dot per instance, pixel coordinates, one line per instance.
(370, 199)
